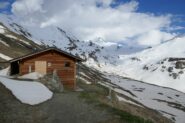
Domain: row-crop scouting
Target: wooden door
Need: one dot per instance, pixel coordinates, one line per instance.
(40, 67)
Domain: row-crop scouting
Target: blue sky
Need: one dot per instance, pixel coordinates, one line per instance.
(160, 7)
(6, 9)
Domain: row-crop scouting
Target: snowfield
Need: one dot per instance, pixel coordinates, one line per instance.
(170, 103)
(31, 93)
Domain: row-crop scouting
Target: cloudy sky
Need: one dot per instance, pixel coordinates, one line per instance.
(144, 22)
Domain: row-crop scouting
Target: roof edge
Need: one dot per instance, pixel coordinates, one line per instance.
(47, 49)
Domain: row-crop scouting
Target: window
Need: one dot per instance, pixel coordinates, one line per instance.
(67, 64)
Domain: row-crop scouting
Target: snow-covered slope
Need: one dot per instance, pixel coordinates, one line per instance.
(162, 65)
(170, 103)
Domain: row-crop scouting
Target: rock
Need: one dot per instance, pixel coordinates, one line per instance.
(170, 69)
(135, 59)
(53, 82)
(181, 72)
(174, 75)
(180, 65)
(145, 68)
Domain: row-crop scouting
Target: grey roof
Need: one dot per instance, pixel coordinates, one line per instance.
(44, 50)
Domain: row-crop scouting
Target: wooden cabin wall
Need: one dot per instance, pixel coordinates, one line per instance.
(57, 60)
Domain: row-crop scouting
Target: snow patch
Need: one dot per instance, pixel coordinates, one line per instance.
(5, 72)
(2, 29)
(34, 75)
(87, 82)
(5, 57)
(31, 93)
(4, 43)
(128, 101)
(25, 42)
(11, 36)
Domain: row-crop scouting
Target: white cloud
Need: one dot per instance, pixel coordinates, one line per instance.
(154, 37)
(87, 21)
(26, 7)
(129, 6)
(4, 5)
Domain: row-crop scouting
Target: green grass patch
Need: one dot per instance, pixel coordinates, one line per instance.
(125, 116)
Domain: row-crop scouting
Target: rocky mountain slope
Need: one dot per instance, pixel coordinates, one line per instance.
(109, 62)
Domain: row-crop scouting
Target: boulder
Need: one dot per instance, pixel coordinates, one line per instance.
(53, 82)
(180, 65)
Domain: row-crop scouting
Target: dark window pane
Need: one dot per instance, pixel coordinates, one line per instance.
(67, 64)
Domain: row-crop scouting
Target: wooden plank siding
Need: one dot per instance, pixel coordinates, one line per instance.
(57, 61)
